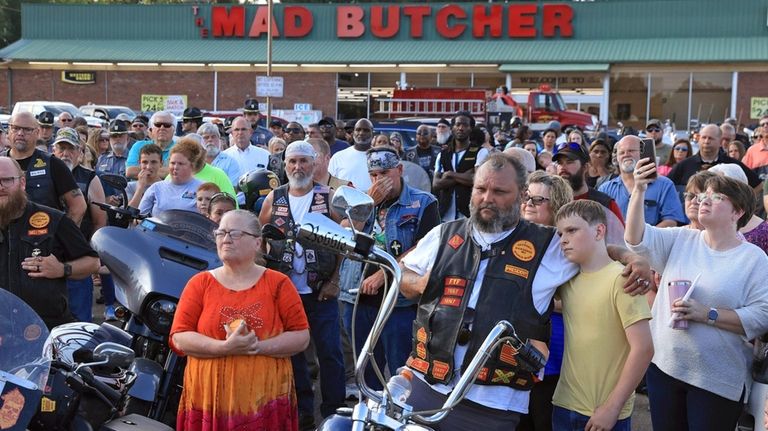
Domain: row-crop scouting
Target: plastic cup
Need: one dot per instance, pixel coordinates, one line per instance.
(677, 290)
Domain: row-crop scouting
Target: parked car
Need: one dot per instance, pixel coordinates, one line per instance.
(407, 128)
(36, 107)
(107, 112)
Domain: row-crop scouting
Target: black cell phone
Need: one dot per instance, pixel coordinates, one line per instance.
(648, 150)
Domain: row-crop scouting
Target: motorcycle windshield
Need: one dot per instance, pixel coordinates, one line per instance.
(23, 364)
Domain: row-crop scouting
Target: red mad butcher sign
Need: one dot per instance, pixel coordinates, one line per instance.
(516, 21)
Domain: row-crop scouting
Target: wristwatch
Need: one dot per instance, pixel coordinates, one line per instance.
(67, 270)
(712, 316)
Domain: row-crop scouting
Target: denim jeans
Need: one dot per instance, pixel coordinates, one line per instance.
(324, 329)
(393, 347)
(81, 298)
(676, 405)
(568, 420)
(107, 289)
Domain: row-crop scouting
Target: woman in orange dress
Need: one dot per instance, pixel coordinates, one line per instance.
(239, 324)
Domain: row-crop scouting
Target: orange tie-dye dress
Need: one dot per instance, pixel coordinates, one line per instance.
(238, 392)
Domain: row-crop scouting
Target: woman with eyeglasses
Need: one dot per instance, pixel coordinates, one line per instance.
(697, 379)
(680, 151)
(544, 196)
(238, 325)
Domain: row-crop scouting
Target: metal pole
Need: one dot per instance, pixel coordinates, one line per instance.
(734, 94)
(269, 57)
(215, 90)
(690, 101)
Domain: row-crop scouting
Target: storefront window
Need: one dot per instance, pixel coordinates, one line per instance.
(352, 95)
(455, 80)
(421, 80)
(669, 98)
(629, 93)
(711, 100)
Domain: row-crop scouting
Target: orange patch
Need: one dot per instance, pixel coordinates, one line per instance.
(450, 301)
(37, 232)
(521, 382)
(483, 374)
(456, 281)
(524, 250)
(421, 335)
(417, 364)
(440, 369)
(456, 241)
(421, 350)
(507, 354)
(454, 291)
(39, 220)
(516, 270)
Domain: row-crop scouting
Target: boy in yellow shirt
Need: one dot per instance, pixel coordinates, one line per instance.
(608, 342)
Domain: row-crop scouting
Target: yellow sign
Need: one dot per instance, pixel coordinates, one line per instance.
(758, 107)
(174, 104)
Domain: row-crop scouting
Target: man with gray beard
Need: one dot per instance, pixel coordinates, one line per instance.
(471, 273)
(314, 272)
(351, 163)
(662, 204)
(39, 248)
(214, 156)
(443, 132)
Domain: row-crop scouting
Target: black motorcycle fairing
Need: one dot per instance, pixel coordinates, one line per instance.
(185, 226)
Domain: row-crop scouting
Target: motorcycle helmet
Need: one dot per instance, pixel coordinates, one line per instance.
(256, 185)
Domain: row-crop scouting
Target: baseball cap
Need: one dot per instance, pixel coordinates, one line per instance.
(251, 105)
(117, 127)
(653, 122)
(555, 125)
(141, 119)
(327, 121)
(45, 119)
(67, 135)
(275, 123)
(572, 151)
(192, 113)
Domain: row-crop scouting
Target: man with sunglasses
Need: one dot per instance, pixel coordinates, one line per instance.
(191, 120)
(654, 129)
(424, 153)
(328, 130)
(293, 132)
(162, 127)
(49, 181)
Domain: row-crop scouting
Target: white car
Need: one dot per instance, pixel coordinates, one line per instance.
(36, 107)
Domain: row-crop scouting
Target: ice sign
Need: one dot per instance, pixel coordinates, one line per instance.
(269, 86)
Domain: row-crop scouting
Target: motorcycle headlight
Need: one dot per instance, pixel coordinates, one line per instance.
(160, 313)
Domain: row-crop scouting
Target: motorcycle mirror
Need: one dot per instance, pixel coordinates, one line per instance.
(356, 205)
(270, 231)
(116, 181)
(116, 355)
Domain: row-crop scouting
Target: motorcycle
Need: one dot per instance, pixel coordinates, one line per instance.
(752, 417)
(380, 410)
(151, 263)
(40, 391)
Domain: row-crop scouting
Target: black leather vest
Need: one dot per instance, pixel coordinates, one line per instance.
(506, 295)
(320, 264)
(32, 234)
(40, 187)
(463, 193)
(83, 177)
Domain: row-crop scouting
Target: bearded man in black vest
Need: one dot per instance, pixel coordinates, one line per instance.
(469, 274)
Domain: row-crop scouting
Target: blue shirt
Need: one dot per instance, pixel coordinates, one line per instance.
(133, 154)
(111, 164)
(229, 165)
(662, 202)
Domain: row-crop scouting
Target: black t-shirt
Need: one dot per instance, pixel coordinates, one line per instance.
(63, 181)
(684, 170)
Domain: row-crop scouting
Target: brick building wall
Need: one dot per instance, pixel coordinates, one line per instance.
(751, 84)
(126, 88)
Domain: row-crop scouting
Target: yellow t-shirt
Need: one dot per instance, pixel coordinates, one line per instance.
(596, 311)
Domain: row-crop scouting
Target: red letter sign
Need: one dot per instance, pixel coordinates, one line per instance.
(377, 21)
(227, 24)
(443, 15)
(417, 14)
(297, 21)
(261, 23)
(349, 21)
(558, 16)
(481, 21)
(521, 21)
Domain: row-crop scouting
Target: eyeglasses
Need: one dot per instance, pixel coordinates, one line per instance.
(653, 130)
(327, 126)
(689, 196)
(682, 148)
(163, 125)
(8, 181)
(66, 120)
(294, 130)
(716, 198)
(535, 200)
(23, 130)
(757, 137)
(235, 234)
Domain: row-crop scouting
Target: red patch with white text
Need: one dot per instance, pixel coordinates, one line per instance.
(440, 369)
(456, 241)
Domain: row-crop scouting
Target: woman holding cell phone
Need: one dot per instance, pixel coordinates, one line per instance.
(697, 378)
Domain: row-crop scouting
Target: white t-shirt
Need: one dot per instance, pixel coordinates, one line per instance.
(299, 208)
(452, 214)
(164, 195)
(352, 165)
(553, 271)
(249, 159)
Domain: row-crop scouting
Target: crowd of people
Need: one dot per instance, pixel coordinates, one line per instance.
(575, 238)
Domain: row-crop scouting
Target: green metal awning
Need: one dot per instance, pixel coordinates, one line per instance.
(558, 67)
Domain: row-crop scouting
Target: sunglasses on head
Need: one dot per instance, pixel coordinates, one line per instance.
(681, 148)
(571, 146)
